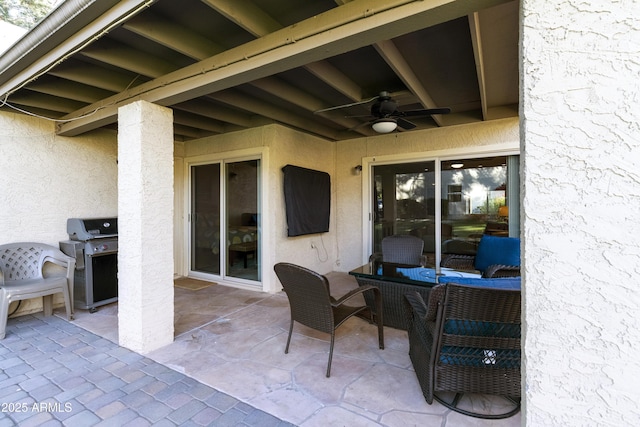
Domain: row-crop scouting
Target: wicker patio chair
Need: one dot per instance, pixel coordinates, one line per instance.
(22, 266)
(466, 340)
(495, 257)
(402, 249)
(312, 305)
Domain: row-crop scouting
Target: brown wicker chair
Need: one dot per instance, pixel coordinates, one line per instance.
(467, 340)
(312, 305)
(402, 249)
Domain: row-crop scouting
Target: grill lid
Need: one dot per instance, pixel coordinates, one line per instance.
(92, 228)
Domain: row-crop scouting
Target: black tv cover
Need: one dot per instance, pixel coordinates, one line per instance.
(307, 196)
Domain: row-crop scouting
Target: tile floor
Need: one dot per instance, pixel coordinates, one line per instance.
(233, 340)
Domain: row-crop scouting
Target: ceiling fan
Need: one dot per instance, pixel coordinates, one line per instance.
(385, 116)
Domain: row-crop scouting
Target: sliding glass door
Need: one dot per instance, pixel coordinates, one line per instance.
(205, 218)
(476, 196)
(404, 202)
(242, 220)
(475, 202)
(225, 219)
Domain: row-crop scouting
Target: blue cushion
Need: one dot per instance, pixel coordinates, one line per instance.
(471, 356)
(497, 250)
(498, 282)
(466, 356)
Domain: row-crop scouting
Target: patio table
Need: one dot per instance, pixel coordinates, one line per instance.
(395, 280)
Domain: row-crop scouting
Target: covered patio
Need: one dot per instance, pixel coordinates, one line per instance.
(177, 101)
(233, 341)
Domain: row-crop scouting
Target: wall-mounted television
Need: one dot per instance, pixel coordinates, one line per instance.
(307, 196)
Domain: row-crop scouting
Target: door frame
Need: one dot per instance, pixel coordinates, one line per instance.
(437, 156)
(261, 154)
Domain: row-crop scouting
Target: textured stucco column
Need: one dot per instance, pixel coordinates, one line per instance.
(145, 226)
(580, 96)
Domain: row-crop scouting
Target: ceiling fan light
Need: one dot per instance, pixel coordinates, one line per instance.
(385, 125)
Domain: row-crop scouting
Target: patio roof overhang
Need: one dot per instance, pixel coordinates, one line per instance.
(223, 66)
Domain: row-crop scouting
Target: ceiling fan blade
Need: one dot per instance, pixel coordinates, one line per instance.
(425, 112)
(405, 124)
(353, 104)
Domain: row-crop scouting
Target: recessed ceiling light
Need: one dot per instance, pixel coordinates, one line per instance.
(457, 165)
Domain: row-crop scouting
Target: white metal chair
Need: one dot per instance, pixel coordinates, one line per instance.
(22, 266)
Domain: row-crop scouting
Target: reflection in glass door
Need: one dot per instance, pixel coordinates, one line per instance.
(205, 218)
(478, 196)
(404, 203)
(242, 219)
(225, 236)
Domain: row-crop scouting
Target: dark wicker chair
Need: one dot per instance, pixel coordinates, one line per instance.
(312, 305)
(496, 257)
(467, 340)
(402, 249)
(393, 308)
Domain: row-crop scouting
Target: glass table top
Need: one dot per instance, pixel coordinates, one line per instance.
(409, 273)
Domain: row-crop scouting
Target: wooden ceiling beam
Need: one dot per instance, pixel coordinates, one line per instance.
(259, 23)
(356, 24)
(215, 111)
(240, 100)
(476, 42)
(82, 72)
(393, 57)
(68, 89)
(122, 56)
(173, 36)
(197, 122)
(247, 15)
(45, 102)
(335, 78)
(276, 87)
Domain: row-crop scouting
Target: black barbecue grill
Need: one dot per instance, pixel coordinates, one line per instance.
(94, 244)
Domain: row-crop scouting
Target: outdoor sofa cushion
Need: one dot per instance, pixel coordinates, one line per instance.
(474, 356)
(498, 282)
(494, 250)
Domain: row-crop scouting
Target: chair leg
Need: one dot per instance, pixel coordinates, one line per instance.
(67, 303)
(286, 349)
(47, 305)
(4, 312)
(333, 338)
(379, 320)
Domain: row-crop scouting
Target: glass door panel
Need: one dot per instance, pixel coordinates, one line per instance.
(474, 202)
(242, 219)
(205, 218)
(404, 203)
(477, 196)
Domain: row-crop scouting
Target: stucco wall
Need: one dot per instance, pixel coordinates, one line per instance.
(579, 104)
(282, 146)
(341, 249)
(47, 179)
(461, 140)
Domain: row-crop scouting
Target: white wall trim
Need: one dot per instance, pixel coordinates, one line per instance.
(261, 153)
